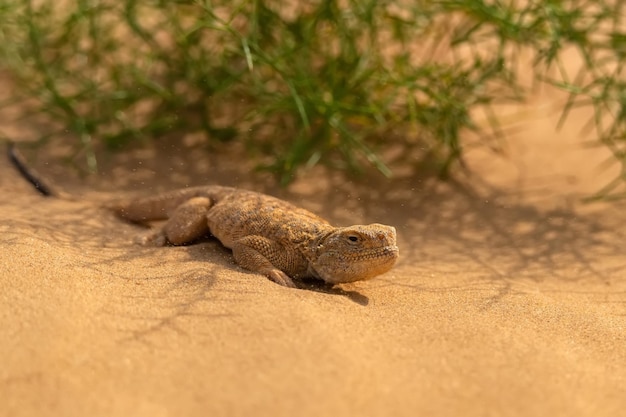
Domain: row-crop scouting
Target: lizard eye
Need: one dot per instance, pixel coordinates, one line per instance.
(353, 238)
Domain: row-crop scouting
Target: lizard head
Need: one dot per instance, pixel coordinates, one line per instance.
(355, 253)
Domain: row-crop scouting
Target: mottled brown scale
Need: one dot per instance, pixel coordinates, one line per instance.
(267, 235)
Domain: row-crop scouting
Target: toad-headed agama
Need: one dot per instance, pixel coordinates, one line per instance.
(267, 235)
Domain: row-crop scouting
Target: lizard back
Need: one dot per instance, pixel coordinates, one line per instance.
(238, 213)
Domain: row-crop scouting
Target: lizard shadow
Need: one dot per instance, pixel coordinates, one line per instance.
(315, 285)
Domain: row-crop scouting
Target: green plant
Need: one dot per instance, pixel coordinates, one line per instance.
(326, 80)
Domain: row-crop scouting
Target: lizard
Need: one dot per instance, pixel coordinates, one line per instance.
(266, 235)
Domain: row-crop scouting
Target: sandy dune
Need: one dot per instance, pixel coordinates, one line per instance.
(509, 298)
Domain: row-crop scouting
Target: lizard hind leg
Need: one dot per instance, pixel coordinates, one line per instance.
(188, 221)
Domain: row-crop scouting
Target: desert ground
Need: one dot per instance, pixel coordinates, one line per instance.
(509, 298)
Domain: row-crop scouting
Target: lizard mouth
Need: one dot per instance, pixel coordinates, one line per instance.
(365, 263)
(391, 251)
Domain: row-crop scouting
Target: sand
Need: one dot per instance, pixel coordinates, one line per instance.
(509, 298)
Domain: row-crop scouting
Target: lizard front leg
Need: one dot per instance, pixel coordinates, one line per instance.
(185, 224)
(260, 254)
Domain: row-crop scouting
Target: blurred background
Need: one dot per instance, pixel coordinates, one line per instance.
(353, 85)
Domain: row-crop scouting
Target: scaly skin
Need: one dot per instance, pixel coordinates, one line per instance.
(267, 235)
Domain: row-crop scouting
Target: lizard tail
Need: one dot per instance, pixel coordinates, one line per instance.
(19, 162)
(158, 207)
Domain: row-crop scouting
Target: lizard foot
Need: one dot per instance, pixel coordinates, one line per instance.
(281, 278)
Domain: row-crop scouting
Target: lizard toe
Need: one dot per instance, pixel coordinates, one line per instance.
(281, 278)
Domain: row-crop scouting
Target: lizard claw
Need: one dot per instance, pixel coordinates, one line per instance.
(281, 278)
